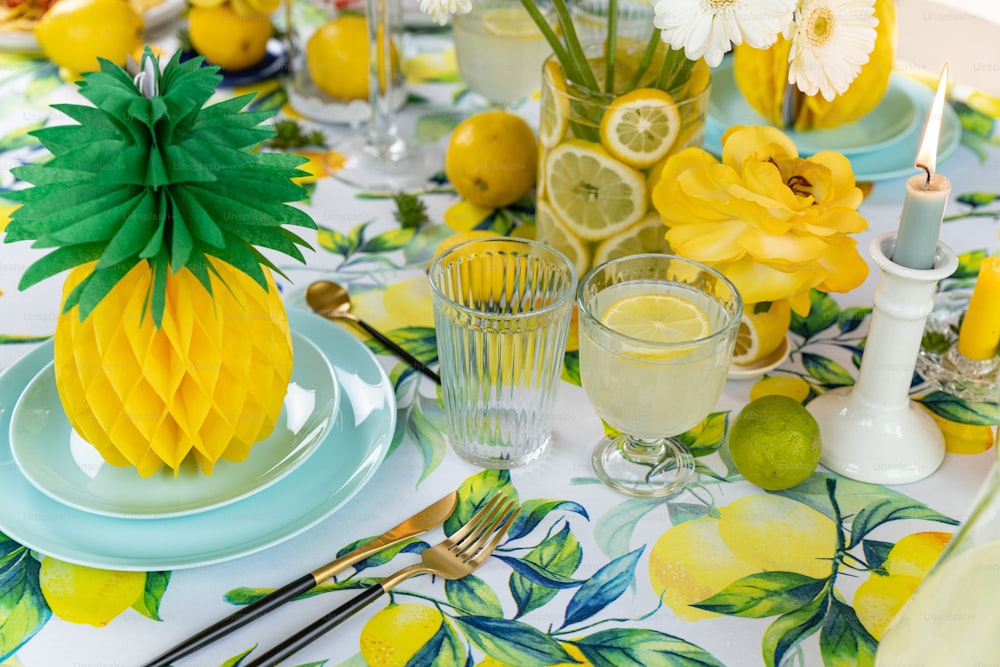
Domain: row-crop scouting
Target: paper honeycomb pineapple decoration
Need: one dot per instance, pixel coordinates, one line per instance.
(172, 340)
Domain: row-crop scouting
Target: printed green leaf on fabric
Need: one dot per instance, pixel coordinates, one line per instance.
(603, 588)
(764, 594)
(613, 530)
(475, 492)
(823, 314)
(960, 410)
(635, 647)
(425, 425)
(571, 368)
(512, 642)
(23, 609)
(471, 595)
(826, 371)
(843, 641)
(882, 511)
(444, 649)
(876, 552)
(536, 509)
(708, 436)
(790, 629)
(148, 603)
(558, 555)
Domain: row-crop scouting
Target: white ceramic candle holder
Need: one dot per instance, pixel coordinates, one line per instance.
(873, 432)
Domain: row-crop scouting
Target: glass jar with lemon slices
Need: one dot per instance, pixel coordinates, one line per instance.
(600, 153)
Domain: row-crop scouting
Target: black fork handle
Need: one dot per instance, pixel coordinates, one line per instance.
(317, 628)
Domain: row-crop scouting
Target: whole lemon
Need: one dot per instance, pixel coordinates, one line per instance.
(228, 39)
(394, 635)
(775, 442)
(75, 33)
(338, 57)
(492, 159)
(81, 594)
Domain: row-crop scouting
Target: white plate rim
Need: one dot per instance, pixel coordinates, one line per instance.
(270, 478)
(378, 423)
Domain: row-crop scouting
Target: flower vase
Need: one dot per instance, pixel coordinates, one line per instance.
(593, 196)
(762, 77)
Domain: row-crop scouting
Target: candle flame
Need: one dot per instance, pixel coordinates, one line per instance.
(927, 155)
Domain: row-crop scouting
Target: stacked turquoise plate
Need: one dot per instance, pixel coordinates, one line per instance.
(334, 432)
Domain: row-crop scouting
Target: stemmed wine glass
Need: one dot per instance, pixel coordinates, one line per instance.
(382, 159)
(656, 340)
(500, 50)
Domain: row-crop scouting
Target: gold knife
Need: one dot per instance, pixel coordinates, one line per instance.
(431, 516)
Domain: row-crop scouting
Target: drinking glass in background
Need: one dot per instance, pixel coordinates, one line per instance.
(501, 310)
(590, 18)
(656, 340)
(500, 50)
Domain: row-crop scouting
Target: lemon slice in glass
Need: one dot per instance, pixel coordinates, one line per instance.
(554, 233)
(510, 22)
(657, 318)
(647, 235)
(640, 127)
(595, 195)
(554, 111)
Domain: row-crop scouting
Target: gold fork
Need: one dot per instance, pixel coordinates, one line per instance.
(455, 557)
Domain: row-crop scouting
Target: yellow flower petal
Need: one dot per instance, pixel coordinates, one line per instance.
(787, 248)
(845, 269)
(843, 190)
(740, 141)
(800, 303)
(708, 242)
(759, 282)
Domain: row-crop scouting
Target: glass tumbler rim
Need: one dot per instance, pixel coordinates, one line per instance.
(722, 331)
(568, 296)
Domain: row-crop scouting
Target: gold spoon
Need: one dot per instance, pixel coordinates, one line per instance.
(330, 300)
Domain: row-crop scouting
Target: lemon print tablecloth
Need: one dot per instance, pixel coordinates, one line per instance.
(724, 574)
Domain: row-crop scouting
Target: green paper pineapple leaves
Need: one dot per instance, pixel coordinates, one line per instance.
(161, 179)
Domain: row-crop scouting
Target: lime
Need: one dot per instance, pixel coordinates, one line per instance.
(594, 194)
(640, 127)
(761, 331)
(657, 318)
(775, 442)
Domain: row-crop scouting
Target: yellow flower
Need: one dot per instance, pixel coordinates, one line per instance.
(775, 224)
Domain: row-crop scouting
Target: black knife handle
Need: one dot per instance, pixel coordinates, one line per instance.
(251, 612)
(317, 628)
(407, 357)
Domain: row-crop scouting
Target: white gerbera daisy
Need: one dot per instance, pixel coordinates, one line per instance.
(440, 10)
(831, 41)
(710, 28)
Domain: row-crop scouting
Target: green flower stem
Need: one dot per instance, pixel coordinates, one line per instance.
(585, 76)
(675, 70)
(562, 55)
(647, 59)
(611, 49)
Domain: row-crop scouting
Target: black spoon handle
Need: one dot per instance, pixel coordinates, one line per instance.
(407, 357)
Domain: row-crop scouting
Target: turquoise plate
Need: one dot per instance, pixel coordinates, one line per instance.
(63, 465)
(881, 145)
(343, 463)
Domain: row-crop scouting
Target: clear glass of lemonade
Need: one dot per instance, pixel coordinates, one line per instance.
(500, 50)
(656, 340)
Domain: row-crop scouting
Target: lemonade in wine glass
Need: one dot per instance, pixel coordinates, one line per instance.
(500, 50)
(656, 340)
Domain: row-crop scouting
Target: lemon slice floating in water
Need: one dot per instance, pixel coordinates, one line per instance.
(657, 318)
